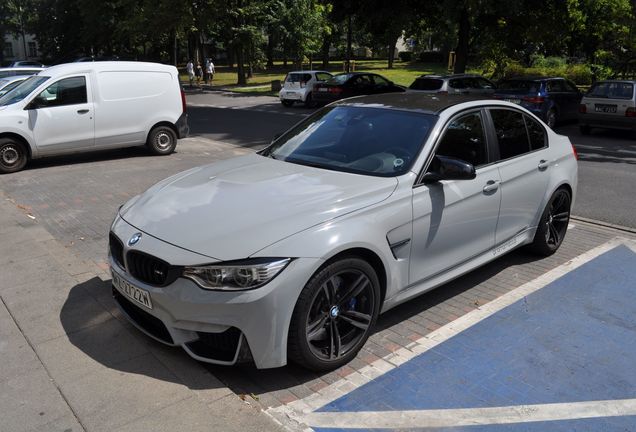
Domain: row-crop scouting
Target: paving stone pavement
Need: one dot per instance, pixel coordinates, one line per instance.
(77, 361)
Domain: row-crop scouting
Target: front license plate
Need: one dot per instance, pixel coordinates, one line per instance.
(605, 108)
(132, 292)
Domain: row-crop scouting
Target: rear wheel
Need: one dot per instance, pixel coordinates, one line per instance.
(13, 155)
(553, 224)
(309, 101)
(162, 140)
(286, 102)
(334, 315)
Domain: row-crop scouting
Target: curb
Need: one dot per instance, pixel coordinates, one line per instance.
(603, 224)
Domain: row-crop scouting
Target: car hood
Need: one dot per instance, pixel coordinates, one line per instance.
(234, 208)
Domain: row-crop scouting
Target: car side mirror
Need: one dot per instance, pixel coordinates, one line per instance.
(449, 168)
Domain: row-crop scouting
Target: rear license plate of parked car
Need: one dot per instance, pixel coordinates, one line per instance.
(322, 89)
(605, 108)
(132, 292)
(514, 101)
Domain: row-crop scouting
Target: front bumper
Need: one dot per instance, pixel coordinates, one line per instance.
(212, 326)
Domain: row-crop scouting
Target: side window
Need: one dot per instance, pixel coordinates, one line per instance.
(464, 139)
(556, 86)
(510, 128)
(320, 76)
(484, 83)
(379, 81)
(570, 87)
(68, 91)
(458, 83)
(536, 133)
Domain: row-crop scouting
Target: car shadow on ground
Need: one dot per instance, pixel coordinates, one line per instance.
(89, 157)
(110, 340)
(112, 343)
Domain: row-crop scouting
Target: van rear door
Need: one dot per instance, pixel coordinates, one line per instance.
(62, 116)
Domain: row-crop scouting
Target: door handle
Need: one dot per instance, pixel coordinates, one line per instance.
(491, 186)
(82, 111)
(543, 165)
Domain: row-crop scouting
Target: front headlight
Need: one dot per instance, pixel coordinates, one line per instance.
(236, 275)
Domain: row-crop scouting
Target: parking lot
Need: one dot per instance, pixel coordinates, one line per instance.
(421, 358)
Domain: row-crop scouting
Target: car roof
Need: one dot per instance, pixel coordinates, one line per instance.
(310, 71)
(420, 102)
(616, 81)
(447, 76)
(533, 78)
(22, 68)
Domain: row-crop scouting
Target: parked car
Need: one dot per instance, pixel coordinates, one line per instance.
(609, 105)
(299, 86)
(15, 71)
(345, 85)
(291, 253)
(79, 107)
(27, 63)
(453, 84)
(551, 99)
(9, 83)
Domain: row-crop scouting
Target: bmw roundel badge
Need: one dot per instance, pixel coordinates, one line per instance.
(134, 239)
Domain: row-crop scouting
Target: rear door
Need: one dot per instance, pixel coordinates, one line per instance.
(62, 116)
(524, 166)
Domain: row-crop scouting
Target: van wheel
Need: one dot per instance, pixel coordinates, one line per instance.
(162, 140)
(13, 155)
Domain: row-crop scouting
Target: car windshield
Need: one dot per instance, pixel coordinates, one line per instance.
(339, 79)
(524, 85)
(6, 88)
(362, 140)
(612, 90)
(23, 90)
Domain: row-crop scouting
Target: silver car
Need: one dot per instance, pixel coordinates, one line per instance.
(291, 253)
(299, 86)
(609, 105)
(453, 84)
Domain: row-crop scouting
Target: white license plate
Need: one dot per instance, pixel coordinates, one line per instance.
(605, 108)
(514, 101)
(322, 89)
(132, 292)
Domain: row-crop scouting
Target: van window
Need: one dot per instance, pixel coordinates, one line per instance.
(67, 91)
(125, 85)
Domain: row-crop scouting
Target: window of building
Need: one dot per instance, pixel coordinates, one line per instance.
(33, 49)
(8, 49)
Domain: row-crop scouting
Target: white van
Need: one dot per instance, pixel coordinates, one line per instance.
(80, 107)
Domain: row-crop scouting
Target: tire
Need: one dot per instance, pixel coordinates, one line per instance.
(286, 102)
(162, 140)
(553, 224)
(584, 129)
(334, 315)
(551, 118)
(13, 155)
(309, 101)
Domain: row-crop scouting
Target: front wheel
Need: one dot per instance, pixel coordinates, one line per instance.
(553, 224)
(13, 155)
(334, 315)
(162, 140)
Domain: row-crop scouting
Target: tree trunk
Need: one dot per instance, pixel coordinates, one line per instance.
(270, 50)
(326, 44)
(349, 48)
(240, 67)
(391, 54)
(463, 34)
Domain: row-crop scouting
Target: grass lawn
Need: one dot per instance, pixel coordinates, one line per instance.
(402, 73)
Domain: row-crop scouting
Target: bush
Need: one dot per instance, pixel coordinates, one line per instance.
(405, 56)
(579, 74)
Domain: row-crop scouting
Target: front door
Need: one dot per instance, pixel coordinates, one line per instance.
(454, 221)
(62, 116)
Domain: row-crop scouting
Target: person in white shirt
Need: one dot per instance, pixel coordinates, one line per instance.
(190, 71)
(210, 71)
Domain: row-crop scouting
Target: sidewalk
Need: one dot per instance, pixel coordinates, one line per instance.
(71, 362)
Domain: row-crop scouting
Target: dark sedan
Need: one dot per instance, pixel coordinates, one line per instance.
(353, 84)
(551, 99)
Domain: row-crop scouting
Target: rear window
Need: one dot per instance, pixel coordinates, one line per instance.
(612, 90)
(526, 85)
(340, 79)
(426, 84)
(298, 77)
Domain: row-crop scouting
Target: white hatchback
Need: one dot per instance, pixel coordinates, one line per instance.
(299, 85)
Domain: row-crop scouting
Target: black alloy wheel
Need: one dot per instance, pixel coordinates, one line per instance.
(334, 315)
(553, 225)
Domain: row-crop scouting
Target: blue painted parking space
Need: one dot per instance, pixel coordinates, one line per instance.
(561, 358)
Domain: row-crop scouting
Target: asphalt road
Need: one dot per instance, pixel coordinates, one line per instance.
(607, 159)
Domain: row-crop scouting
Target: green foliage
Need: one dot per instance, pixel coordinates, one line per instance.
(405, 56)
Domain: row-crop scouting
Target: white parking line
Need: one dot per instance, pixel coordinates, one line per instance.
(298, 415)
(439, 418)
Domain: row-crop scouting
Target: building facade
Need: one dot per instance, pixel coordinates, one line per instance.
(16, 48)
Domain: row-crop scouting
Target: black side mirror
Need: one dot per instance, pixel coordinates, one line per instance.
(448, 168)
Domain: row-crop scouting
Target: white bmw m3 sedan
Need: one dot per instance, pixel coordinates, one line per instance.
(291, 253)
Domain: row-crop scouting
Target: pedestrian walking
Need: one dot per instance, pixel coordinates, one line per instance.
(190, 71)
(199, 73)
(210, 70)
